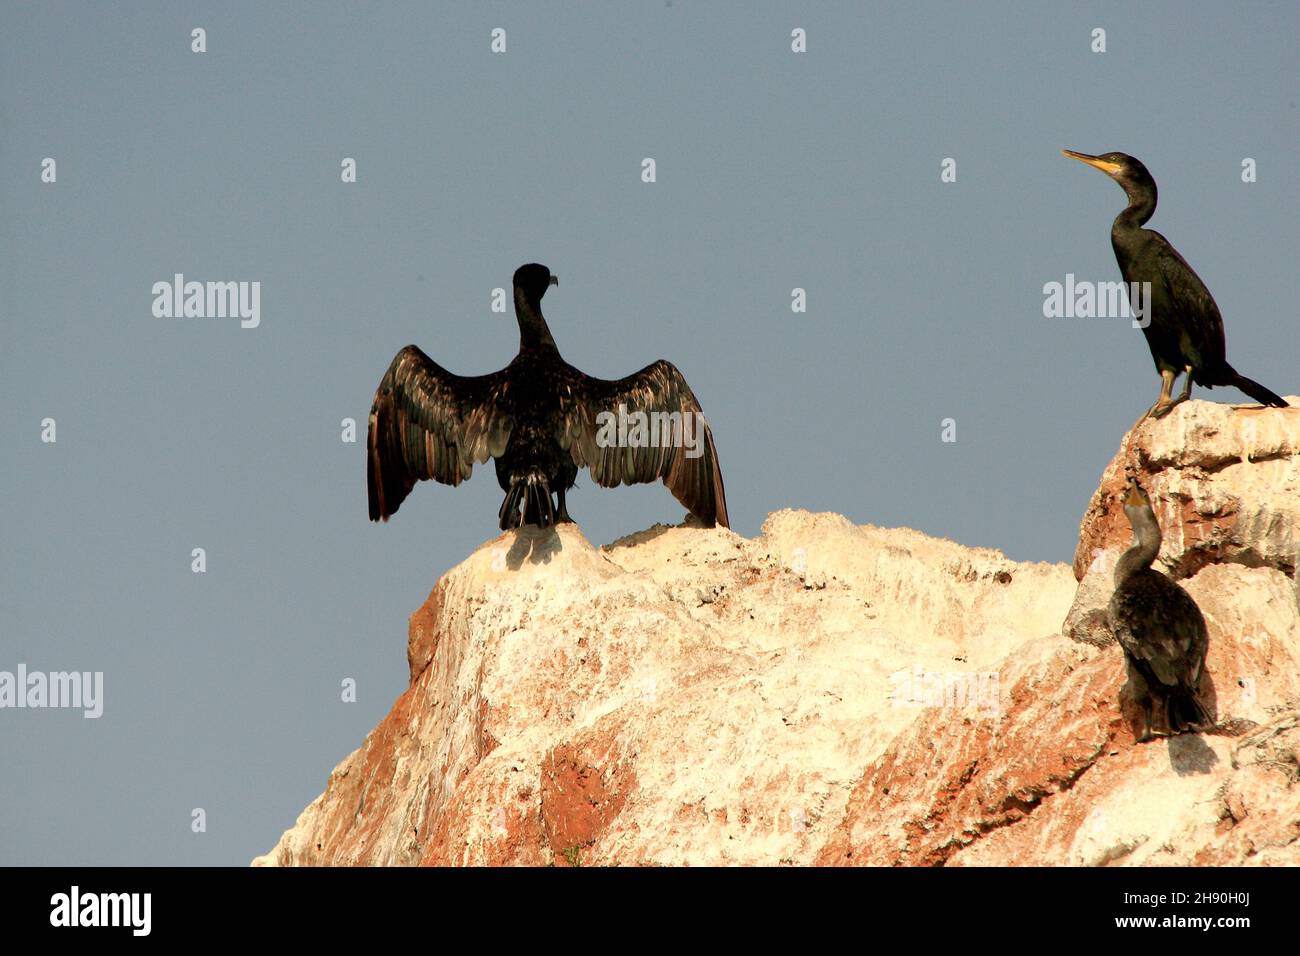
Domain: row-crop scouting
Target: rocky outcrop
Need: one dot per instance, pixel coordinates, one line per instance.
(1056, 778)
(680, 696)
(835, 694)
(1225, 482)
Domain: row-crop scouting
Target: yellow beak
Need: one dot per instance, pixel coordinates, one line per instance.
(1136, 497)
(1096, 162)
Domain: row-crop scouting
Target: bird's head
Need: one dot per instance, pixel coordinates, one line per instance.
(1136, 496)
(533, 280)
(1136, 502)
(1126, 170)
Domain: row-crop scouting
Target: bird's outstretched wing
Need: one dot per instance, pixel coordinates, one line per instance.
(427, 423)
(664, 436)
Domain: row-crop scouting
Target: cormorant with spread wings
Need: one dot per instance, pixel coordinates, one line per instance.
(541, 419)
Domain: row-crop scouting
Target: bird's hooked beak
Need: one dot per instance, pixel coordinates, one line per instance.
(555, 280)
(1096, 162)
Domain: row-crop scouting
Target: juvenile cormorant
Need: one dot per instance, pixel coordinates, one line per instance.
(1159, 626)
(1185, 331)
(541, 420)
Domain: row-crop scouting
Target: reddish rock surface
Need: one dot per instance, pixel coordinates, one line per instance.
(1225, 481)
(842, 695)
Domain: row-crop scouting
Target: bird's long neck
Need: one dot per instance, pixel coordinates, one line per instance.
(1141, 207)
(1145, 547)
(533, 331)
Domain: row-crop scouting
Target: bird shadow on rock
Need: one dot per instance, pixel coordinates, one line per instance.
(535, 545)
(1190, 754)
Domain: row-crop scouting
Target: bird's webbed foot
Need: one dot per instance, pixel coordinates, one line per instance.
(1166, 401)
(1161, 408)
(1149, 413)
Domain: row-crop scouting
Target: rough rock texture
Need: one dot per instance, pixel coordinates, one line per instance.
(681, 696)
(1089, 617)
(836, 694)
(1056, 778)
(1225, 482)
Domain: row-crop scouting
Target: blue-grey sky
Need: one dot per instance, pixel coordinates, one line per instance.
(775, 170)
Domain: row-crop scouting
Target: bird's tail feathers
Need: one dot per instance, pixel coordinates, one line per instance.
(509, 513)
(1185, 713)
(538, 508)
(1256, 391)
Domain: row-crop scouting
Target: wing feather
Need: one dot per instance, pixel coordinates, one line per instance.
(680, 453)
(428, 424)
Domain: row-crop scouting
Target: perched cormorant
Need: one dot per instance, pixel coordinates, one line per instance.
(1185, 331)
(541, 420)
(1159, 626)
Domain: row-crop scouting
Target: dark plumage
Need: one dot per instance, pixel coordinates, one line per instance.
(1185, 332)
(1160, 628)
(541, 419)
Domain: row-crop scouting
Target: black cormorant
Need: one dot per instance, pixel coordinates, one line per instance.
(1160, 628)
(1185, 331)
(541, 420)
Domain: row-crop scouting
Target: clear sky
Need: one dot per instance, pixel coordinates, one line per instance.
(775, 170)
